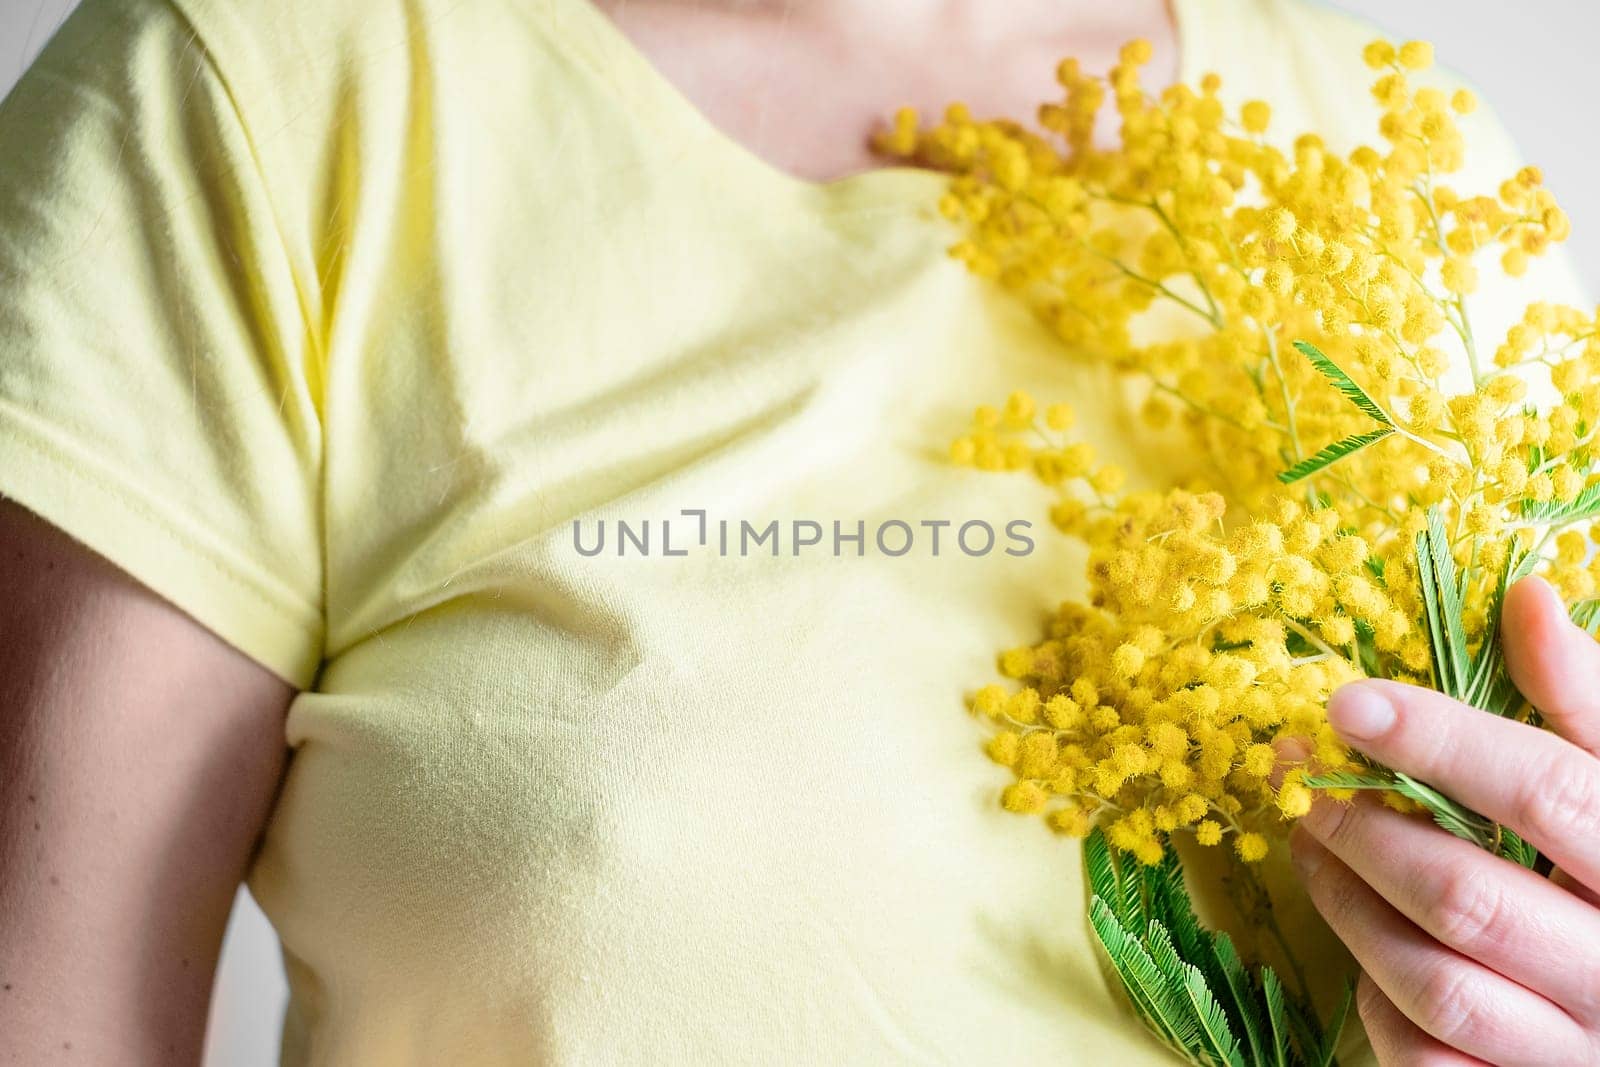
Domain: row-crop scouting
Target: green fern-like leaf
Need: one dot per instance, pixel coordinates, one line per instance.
(1196, 945)
(1303, 1031)
(1111, 880)
(1343, 382)
(1215, 1040)
(1514, 848)
(1482, 681)
(1586, 505)
(1586, 614)
(1441, 602)
(1324, 1055)
(1186, 982)
(1241, 1003)
(1135, 901)
(1170, 897)
(1332, 454)
(1164, 1009)
(1277, 1018)
(1451, 607)
(1456, 818)
(1490, 687)
(1429, 588)
(1101, 869)
(1379, 780)
(1116, 939)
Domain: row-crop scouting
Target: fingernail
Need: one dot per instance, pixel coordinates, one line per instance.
(1555, 606)
(1551, 603)
(1360, 712)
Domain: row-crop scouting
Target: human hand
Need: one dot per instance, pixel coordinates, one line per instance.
(1468, 958)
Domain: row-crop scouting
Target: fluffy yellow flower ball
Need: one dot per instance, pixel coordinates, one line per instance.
(1255, 116)
(1252, 847)
(1378, 54)
(1415, 55)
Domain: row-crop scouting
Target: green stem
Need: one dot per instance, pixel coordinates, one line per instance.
(1283, 389)
(1295, 968)
(1269, 921)
(1463, 322)
(1155, 285)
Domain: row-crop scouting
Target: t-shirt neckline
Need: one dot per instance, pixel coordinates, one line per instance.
(644, 85)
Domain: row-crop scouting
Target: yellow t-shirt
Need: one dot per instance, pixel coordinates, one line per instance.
(329, 320)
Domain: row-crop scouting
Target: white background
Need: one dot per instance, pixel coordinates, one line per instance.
(1531, 59)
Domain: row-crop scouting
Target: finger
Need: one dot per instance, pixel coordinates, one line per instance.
(1396, 1040)
(1544, 787)
(1457, 1000)
(1502, 915)
(1554, 662)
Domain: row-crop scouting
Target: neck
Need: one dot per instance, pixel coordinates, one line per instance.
(832, 69)
(977, 22)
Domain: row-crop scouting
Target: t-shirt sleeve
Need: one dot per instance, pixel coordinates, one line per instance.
(159, 385)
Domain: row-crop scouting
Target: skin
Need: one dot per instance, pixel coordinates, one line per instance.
(804, 83)
(1467, 958)
(139, 757)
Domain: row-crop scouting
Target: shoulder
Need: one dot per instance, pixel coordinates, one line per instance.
(326, 97)
(298, 50)
(286, 62)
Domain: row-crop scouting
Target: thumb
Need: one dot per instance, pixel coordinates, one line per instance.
(1554, 662)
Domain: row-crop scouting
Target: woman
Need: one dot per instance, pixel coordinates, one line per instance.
(330, 336)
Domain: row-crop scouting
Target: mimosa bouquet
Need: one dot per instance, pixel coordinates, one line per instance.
(1377, 475)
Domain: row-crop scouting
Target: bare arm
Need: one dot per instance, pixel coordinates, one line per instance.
(139, 757)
